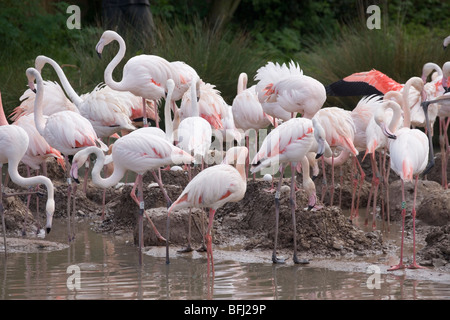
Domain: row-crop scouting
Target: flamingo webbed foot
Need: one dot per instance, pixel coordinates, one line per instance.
(397, 267)
(414, 265)
(300, 261)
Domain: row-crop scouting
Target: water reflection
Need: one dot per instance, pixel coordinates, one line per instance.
(109, 270)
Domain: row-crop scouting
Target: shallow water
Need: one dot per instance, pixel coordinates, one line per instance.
(98, 266)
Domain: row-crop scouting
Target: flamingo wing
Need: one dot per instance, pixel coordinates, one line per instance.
(363, 83)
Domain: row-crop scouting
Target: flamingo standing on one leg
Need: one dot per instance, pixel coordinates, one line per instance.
(409, 158)
(289, 143)
(212, 188)
(138, 152)
(66, 131)
(143, 75)
(13, 146)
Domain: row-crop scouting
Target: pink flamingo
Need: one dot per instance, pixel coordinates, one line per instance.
(266, 76)
(143, 75)
(66, 131)
(290, 142)
(247, 112)
(340, 133)
(194, 136)
(139, 152)
(13, 146)
(378, 134)
(37, 153)
(296, 93)
(212, 188)
(409, 157)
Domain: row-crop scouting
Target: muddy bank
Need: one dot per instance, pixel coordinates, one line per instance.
(249, 224)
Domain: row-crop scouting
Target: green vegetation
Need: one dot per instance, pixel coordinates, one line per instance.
(329, 39)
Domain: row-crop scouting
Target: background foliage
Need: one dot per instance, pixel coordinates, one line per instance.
(221, 38)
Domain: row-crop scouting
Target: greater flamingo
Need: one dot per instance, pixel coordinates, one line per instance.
(290, 142)
(296, 93)
(13, 146)
(194, 136)
(212, 188)
(339, 134)
(37, 153)
(66, 131)
(266, 76)
(409, 157)
(143, 75)
(247, 112)
(138, 152)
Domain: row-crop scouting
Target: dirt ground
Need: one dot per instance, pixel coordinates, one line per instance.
(249, 223)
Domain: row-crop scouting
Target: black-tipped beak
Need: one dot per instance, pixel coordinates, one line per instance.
(314, 178)
(76, 180)
(318, 155)
(34, 90)
(48, 230)
(310, 207)
(99, 55)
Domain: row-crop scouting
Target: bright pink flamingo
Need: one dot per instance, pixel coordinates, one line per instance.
(13, 146)
(212, 188)
(66, 131)
(290, 142)
(409, 158)
(138, 152)
(143, 75)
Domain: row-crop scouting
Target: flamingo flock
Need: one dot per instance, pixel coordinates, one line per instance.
(284, 101)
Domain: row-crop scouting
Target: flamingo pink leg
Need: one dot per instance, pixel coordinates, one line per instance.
(277, 216)
(414, 264)
(401, 265)
(208, 238)
(2, 211)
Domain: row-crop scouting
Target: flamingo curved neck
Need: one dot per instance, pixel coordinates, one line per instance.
(97, 179)
(113, 64)
(194, 104)
(414, 81)
(73, 96)
(168, 117)
(242, 82)
(396, 117)
(30, 181)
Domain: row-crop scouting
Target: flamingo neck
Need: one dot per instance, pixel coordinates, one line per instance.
(39, 120)
(405, 105)
(240, 165)
(119, 86)
(73, 96)
(194, 104)
(396, 117)
(242, 83)
(168, 117)
(3, 120)
(97, 179)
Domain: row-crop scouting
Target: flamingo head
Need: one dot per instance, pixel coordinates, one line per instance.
(49, 210)
(105, 39)
(31, 75)
(78, 161)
